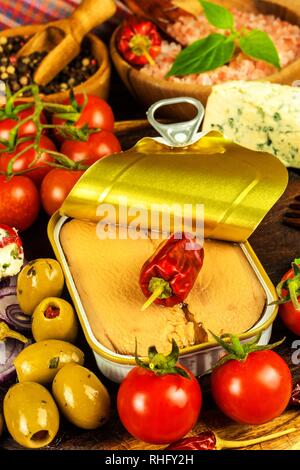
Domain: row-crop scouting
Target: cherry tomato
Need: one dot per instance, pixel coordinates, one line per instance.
(158, 409)
(97, 146)
(56, 186)
(255, 390)
(288, 313)
(97, 114)
(19, 202)
(39, 169)
(28, 128)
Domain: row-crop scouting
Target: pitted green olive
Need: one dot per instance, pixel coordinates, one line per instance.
(41, 361)
(31, 415)
(39, 279)
(81, 397)
(54, 318)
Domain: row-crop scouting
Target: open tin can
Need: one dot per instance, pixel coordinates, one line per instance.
(236, 186)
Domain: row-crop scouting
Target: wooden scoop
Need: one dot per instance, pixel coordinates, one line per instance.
(62, 38)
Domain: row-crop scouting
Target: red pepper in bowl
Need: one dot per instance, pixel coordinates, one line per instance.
(169, 275)
(139, 42)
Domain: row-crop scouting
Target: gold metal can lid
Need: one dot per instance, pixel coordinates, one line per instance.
(236, 186)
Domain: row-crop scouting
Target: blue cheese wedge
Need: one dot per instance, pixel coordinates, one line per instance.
(258, 115)
(11, 254)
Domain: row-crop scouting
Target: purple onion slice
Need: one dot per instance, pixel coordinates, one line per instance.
(10, 311)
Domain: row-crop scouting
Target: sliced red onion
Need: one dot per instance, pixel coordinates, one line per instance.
(8, 282)
(9, 350)
(17, 318)
(5, 291)
(10, 311)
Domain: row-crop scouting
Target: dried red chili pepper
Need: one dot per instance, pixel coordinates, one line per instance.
(169, 275)
(204, 441)
(139, 42)
(295, 398)
(210, 441)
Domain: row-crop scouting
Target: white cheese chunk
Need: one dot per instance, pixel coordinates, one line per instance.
(11, 258)
(258, 115)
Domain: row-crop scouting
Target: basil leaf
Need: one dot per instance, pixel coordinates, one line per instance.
(217, 15)
(259, 45)
(203, 55)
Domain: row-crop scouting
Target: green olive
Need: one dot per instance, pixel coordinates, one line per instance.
(40, 361)
(39, 279)
(31, 415)
(81, 397)
(54, 318)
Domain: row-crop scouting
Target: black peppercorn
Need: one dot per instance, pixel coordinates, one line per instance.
(20, 72)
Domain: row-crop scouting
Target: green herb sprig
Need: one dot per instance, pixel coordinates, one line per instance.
(217, 49)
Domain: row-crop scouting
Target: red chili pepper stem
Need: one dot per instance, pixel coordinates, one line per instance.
(160, 289)
(140, 45)
(238, 351)
(224, 444)
(289, 290)
(155, 295)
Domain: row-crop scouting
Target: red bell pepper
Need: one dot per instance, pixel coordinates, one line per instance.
(139, 42)
(169, 275)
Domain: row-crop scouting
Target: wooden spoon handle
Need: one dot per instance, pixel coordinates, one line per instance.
(90, 14)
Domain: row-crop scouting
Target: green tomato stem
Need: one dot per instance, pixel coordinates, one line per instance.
(15, 157)
(293, 287)
(39, 106)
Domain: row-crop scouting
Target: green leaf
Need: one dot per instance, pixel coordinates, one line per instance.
(203, 55)
(217, 15)
(259, 45)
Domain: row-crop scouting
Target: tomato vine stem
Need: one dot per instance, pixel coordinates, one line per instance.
(70, 113)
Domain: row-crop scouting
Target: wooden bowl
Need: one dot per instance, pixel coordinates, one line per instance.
(148, 90)
(97, 84)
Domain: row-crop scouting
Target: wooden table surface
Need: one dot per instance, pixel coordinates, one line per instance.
(276, 246)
